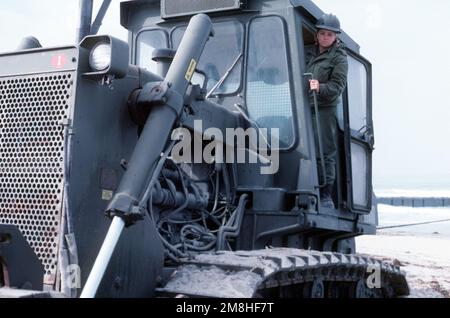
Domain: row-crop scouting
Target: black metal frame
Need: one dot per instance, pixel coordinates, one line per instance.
(19, 264)
(352, 137)
(289, 62)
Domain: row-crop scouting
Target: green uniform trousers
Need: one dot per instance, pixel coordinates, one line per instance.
(328, 129)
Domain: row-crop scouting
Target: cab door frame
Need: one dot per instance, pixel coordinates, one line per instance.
(358, 135)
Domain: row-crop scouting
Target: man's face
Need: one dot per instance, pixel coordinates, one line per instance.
(326, 38)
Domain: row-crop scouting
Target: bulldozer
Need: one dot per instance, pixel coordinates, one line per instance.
(183, 161)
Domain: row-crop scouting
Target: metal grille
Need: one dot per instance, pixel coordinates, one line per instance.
(32, 109)
(173, 8)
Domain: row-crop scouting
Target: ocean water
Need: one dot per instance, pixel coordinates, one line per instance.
(412, 183)
(412, 187)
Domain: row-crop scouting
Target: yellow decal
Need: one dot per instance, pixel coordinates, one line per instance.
(191, 70)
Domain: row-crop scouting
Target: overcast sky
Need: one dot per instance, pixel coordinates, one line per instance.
(407, 42)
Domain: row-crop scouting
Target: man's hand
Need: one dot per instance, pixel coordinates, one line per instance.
(314, 85)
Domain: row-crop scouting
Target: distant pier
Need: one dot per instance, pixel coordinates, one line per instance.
(415, 202)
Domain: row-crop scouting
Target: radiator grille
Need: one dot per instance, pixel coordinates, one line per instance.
(174, 8)
(32, 109)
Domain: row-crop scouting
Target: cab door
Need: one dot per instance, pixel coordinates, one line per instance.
(358, 134)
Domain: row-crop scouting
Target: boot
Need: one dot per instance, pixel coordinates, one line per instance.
(326, 201)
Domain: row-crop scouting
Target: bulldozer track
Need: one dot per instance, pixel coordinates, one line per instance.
(285, 273)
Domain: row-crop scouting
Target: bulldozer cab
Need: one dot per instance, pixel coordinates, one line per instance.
(256, 61)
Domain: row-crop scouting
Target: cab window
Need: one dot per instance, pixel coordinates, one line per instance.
(357, 93)
(147, 42)
(269, 100)
(220, 53)
(358, 121)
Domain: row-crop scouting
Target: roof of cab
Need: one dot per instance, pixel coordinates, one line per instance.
(307, 7)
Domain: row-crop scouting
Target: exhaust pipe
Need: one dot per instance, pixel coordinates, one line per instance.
(85, 20)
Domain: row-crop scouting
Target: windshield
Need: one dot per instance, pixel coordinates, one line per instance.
(219, 55)
(269, 99)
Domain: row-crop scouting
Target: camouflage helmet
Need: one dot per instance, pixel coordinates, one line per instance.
(329, 22)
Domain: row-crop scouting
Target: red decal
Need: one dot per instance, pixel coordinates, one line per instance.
(59, 61)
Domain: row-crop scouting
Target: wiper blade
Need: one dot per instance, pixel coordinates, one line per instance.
(254, 124)
(225, 76)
